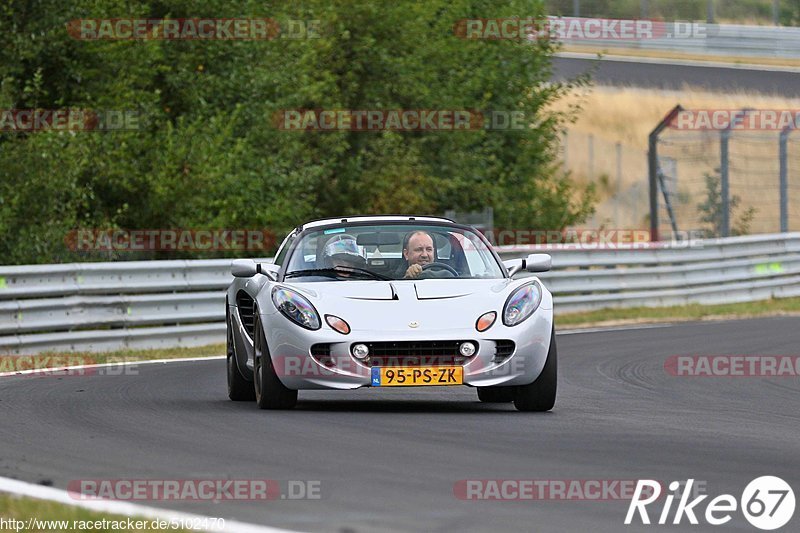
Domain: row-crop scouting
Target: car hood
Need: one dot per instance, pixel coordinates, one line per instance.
(393, 305)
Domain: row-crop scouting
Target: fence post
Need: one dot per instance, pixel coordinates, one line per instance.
(725, 223)
(652, 168)
(710, 11)
(784, 178)
(645, 10)
(619, 184)
(576, 8)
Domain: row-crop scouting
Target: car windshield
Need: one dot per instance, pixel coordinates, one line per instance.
(391, 252)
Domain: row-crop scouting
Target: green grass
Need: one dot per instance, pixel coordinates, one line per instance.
(120, 356)
(22, 508)
(681, 313)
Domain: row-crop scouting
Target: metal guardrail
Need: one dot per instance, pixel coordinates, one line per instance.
(711, 39)
(150, 304)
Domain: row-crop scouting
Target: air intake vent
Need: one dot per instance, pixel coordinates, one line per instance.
(503, 350)
(246, 307)
(322, 353)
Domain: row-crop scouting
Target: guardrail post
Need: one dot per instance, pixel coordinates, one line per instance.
(576, 8)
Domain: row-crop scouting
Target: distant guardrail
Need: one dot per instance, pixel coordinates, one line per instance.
(710, 39)
(151, 304)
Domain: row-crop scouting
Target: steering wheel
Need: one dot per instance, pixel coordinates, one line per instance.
(440, 266)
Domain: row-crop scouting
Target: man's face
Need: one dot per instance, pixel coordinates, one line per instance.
(420, 250)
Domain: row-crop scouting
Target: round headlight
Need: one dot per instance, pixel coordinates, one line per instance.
(522, 303)
(360, 351)
(467, 349)
(296, 308)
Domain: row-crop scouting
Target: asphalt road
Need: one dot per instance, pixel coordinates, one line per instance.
(677, 77)
(389, 459)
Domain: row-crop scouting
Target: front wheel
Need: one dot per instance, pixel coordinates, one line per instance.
(270, 392)
(541, 394)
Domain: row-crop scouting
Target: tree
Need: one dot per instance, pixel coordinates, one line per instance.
(712, 209)
(207, 154)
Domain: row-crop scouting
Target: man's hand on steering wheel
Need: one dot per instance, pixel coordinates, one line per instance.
(435, 265)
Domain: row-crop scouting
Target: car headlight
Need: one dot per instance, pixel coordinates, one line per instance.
(296, 308)
(522, 303)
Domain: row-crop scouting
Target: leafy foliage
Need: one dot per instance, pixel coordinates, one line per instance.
(207, 154)
(712, 210)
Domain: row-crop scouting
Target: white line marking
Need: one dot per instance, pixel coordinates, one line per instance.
(57, 369)
(677, 62)
(612, 328)
(40, 492)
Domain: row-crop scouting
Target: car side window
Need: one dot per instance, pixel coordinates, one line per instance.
(475, 260)
(283, 250)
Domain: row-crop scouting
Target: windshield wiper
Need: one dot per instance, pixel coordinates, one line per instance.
(337, 272)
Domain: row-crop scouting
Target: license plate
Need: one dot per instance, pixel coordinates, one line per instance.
(404, 376)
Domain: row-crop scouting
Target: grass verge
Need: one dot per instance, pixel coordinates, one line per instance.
(611, 53)
(149, 355)
(639, 315)
(43, 515)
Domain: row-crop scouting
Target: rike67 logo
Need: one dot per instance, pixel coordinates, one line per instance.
(767, 503)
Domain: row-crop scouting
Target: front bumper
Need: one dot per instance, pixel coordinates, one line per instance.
(290, 348)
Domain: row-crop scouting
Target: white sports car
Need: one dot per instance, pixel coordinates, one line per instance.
(386, 301)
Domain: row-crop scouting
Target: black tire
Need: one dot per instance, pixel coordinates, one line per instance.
(239, 389)
(496, 394)
(270, 392)
(541, 394)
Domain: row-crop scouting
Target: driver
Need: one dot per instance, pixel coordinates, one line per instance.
(418, 251)
(342, 251)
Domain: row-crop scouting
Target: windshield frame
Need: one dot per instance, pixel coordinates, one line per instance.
(422, 224)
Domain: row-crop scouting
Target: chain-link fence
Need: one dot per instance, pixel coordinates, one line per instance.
(727, 180)
(619, 172)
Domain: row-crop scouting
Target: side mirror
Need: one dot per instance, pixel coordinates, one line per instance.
(513, 266)
(244, 268)
(538, 263)
(270, 270)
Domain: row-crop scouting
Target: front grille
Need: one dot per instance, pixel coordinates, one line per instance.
(416, 353)
(503, 349)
